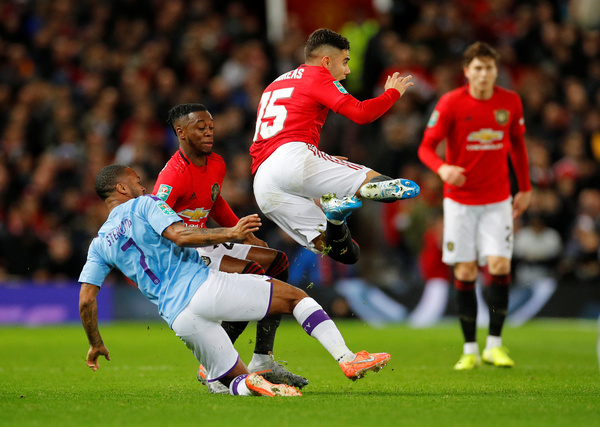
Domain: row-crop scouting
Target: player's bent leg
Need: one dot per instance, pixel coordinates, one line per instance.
(276, 264)
(212, 348)
(285, 297)
(241, 266)
(382, 188)
(316, 323)
(337, 242)
(263, 359)
(279, 267)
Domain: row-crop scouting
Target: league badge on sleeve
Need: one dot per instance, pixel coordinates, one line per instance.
(166, 209)
(433, 119)
(341, 88)
(164, 191)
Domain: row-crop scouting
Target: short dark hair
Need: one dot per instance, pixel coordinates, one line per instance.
(324, 37)
(107, 179)
(479, 50)
(181, 110)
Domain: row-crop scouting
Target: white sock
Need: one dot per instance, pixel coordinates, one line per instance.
(492, 342)
(238, 386)
(471, 348)
(260, 359)
(315, 322)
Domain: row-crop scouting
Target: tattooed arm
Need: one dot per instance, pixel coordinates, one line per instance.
(194, 236)
(88, 311)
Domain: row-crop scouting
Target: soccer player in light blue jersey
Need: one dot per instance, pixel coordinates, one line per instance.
(147, 241)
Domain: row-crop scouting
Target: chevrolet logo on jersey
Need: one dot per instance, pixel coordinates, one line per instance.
(485, 136)
(194, 215)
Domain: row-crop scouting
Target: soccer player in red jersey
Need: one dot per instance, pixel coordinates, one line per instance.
(290, 172)
(191, 183)
(483, 125)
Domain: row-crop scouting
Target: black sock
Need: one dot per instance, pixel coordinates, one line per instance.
(253, 268)
(265, 334)
(498, 301)
(279, 268)
(340, 245)
(467, 308)
(234, 329)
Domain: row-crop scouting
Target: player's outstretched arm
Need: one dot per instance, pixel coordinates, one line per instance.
(195, 237)
(88, 311)
(364, 112)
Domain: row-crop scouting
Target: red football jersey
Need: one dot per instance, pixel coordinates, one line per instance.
(195, 192)
(295, 106)
(480, 135)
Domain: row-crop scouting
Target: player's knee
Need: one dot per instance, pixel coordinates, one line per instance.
(465, 271)
(498, 266)
(253, 267)
(299, 296)
(285, 297)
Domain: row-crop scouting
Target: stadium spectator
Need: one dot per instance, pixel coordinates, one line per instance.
(57, 53)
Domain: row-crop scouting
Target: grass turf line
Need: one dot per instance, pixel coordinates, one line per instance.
(151, 379)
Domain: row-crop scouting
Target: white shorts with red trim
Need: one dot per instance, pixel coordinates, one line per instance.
(288, 182)
(474, 232)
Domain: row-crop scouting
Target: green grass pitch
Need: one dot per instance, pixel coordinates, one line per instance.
(151, 379)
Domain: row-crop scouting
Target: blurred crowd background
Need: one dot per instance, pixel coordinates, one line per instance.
(87, 83)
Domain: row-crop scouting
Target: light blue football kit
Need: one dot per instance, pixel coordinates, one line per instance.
(167, 274)
(192, 298)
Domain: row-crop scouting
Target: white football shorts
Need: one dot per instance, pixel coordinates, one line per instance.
(474, 232)
(213, 255)
(223, 296)
(288, 182)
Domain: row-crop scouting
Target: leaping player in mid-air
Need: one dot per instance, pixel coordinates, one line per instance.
(290, 172)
